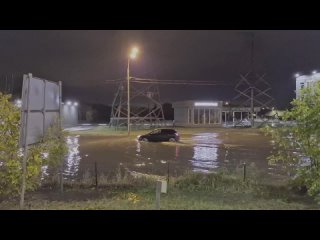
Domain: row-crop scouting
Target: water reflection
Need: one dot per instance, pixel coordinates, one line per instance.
(44, 172)
(138, 147)
(177, 151)
(138, 150)
(72, 161)
(205, 152)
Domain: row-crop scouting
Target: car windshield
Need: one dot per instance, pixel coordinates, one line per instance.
(168, 131)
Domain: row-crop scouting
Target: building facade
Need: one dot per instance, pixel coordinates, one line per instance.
(197, 113)
(305, 81)
(209, 113)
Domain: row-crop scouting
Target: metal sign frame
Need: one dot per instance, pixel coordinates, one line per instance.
(27, 110)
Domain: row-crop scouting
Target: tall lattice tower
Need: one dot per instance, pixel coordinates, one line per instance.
(252, 89)
(146, 108)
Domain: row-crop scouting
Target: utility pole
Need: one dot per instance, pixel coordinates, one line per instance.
(133, 55)
(252, 108)
(252, 69)
(128, 81)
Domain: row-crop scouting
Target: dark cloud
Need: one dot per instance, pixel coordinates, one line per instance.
(83, 59)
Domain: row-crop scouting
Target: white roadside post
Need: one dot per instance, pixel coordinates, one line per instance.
(161, 187)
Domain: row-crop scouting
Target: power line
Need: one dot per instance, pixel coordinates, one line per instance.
(179, 83)
(170, 82)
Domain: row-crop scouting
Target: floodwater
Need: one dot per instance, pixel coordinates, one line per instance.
(201, 152)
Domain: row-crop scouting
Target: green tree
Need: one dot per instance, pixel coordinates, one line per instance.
(49, 151)
(298, 145)
(10, 165)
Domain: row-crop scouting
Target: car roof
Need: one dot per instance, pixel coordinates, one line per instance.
(166, 129)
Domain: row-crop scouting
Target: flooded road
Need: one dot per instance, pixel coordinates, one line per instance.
(201, 152)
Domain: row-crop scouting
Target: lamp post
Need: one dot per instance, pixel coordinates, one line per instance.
(133, 55)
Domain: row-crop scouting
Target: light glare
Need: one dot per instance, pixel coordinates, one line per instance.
(134, 52)
(18, 103)
(133, 55)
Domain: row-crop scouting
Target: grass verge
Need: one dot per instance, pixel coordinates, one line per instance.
(193, 191)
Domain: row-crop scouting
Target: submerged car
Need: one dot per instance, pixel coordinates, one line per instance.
(160, 135)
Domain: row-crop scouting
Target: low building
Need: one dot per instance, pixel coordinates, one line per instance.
(70, 114)
(209, 113)
(305, 81)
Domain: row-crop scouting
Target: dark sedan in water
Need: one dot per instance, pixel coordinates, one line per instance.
(160, 135)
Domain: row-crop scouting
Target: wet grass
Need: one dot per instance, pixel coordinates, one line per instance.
(193, 191)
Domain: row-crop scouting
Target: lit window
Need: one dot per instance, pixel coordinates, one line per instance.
(206, 104)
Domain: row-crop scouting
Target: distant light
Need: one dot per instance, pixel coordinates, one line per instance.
(227, 103)
(206, 104)
(314, 72)
(75, 104)
(297, 75)
(18, 103)
(69, 103)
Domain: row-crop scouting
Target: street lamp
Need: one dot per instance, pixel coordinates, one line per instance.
(133, 55)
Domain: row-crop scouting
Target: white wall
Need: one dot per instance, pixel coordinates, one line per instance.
(181, 116)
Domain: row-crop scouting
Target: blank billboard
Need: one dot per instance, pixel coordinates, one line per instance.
(41, 104)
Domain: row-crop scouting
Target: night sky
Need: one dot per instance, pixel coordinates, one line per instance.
(82, 60)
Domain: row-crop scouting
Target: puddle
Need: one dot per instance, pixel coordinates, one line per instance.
(202, 152)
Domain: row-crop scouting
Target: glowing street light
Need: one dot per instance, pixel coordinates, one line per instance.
(297, 75)
(69, 103)
(133, 55)
(75, 104)
(314, 72)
